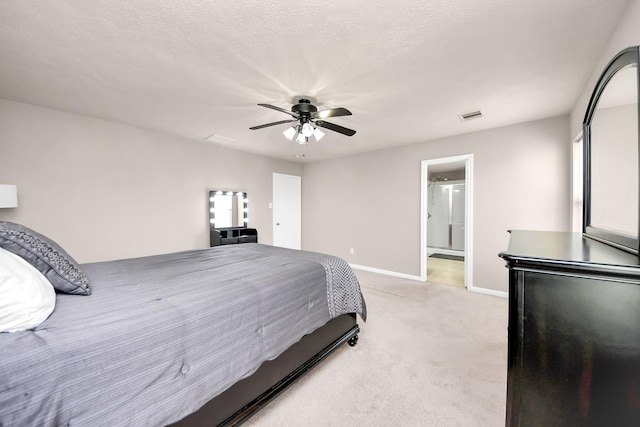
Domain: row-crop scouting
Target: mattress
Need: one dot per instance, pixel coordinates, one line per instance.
(162, 335)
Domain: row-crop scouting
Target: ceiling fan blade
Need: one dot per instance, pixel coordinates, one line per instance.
(282, 110)
(333, 112)
(272, 124)
(335, 128)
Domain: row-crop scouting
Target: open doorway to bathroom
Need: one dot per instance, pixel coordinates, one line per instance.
(445, 226)
(446, 212)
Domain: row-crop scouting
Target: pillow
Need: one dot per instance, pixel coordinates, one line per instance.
(27, 298)
(47, 256)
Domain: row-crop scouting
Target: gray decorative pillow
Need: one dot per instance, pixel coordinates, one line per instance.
(47, 256)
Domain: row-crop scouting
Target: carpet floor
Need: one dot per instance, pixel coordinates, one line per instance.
(429, 355)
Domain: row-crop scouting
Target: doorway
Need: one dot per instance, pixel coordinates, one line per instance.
(287, 211)
(446, 241)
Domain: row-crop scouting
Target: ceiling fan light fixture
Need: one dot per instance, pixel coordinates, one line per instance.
(307, 130)
(307, 117)
(289, 133)
(318, 134)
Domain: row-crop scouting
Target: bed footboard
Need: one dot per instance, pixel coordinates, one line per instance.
(249, 395)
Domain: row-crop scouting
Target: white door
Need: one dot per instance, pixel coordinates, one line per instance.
(457, 217)
(287, 211)
(438, 216)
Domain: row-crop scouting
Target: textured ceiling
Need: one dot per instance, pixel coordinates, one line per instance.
(405, 69)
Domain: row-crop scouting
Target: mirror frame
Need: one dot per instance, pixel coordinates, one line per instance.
(629, 56)
(245, 208)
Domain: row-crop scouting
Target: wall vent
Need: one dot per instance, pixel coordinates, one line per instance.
(219, 139)
(471, 115)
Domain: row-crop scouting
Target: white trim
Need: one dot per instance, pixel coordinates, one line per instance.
(578, 137)
(492, 292)
(468, 226)
(577, 184)
(424, 177)
(386, 272)
(484, 291)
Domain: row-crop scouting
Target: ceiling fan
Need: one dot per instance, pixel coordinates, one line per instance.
(307, 115)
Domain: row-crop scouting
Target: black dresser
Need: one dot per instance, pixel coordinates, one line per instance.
(232, 236)
(574, 332)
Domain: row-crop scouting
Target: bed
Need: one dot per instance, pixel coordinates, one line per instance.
(199, 337)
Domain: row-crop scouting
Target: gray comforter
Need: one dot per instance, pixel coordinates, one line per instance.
(162, 335)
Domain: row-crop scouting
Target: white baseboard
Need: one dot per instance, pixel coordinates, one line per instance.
(386, 272)
(485, 291)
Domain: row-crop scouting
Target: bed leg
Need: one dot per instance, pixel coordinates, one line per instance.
(353, 340)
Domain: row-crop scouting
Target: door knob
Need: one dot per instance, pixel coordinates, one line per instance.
(277, 223)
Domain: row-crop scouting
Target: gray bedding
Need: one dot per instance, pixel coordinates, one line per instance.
(162, 335)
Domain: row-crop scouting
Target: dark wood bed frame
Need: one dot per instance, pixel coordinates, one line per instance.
(246, 397)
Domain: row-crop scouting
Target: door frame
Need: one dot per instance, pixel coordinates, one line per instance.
(468, 220)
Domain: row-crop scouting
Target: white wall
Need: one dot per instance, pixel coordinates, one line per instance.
(627, 34)
(521, 181)
(104, 190)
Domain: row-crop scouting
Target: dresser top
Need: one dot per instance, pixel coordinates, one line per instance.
(566, 250)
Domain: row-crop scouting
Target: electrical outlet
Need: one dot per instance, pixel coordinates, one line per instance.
(351, 251)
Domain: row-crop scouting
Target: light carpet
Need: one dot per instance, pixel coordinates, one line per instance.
(429, 355)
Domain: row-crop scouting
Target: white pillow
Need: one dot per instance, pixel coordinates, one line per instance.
(27, 298)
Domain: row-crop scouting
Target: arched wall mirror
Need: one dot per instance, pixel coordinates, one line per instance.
(228, 209)
(611, 158)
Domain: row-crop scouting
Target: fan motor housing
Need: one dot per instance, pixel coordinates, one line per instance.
(304, 107)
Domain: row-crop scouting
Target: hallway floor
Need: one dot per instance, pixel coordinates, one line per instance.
(446, 271)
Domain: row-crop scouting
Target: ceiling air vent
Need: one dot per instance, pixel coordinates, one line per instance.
(219, 139)
(469, 116)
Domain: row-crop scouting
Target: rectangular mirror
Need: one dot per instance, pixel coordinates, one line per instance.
(228, 209)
